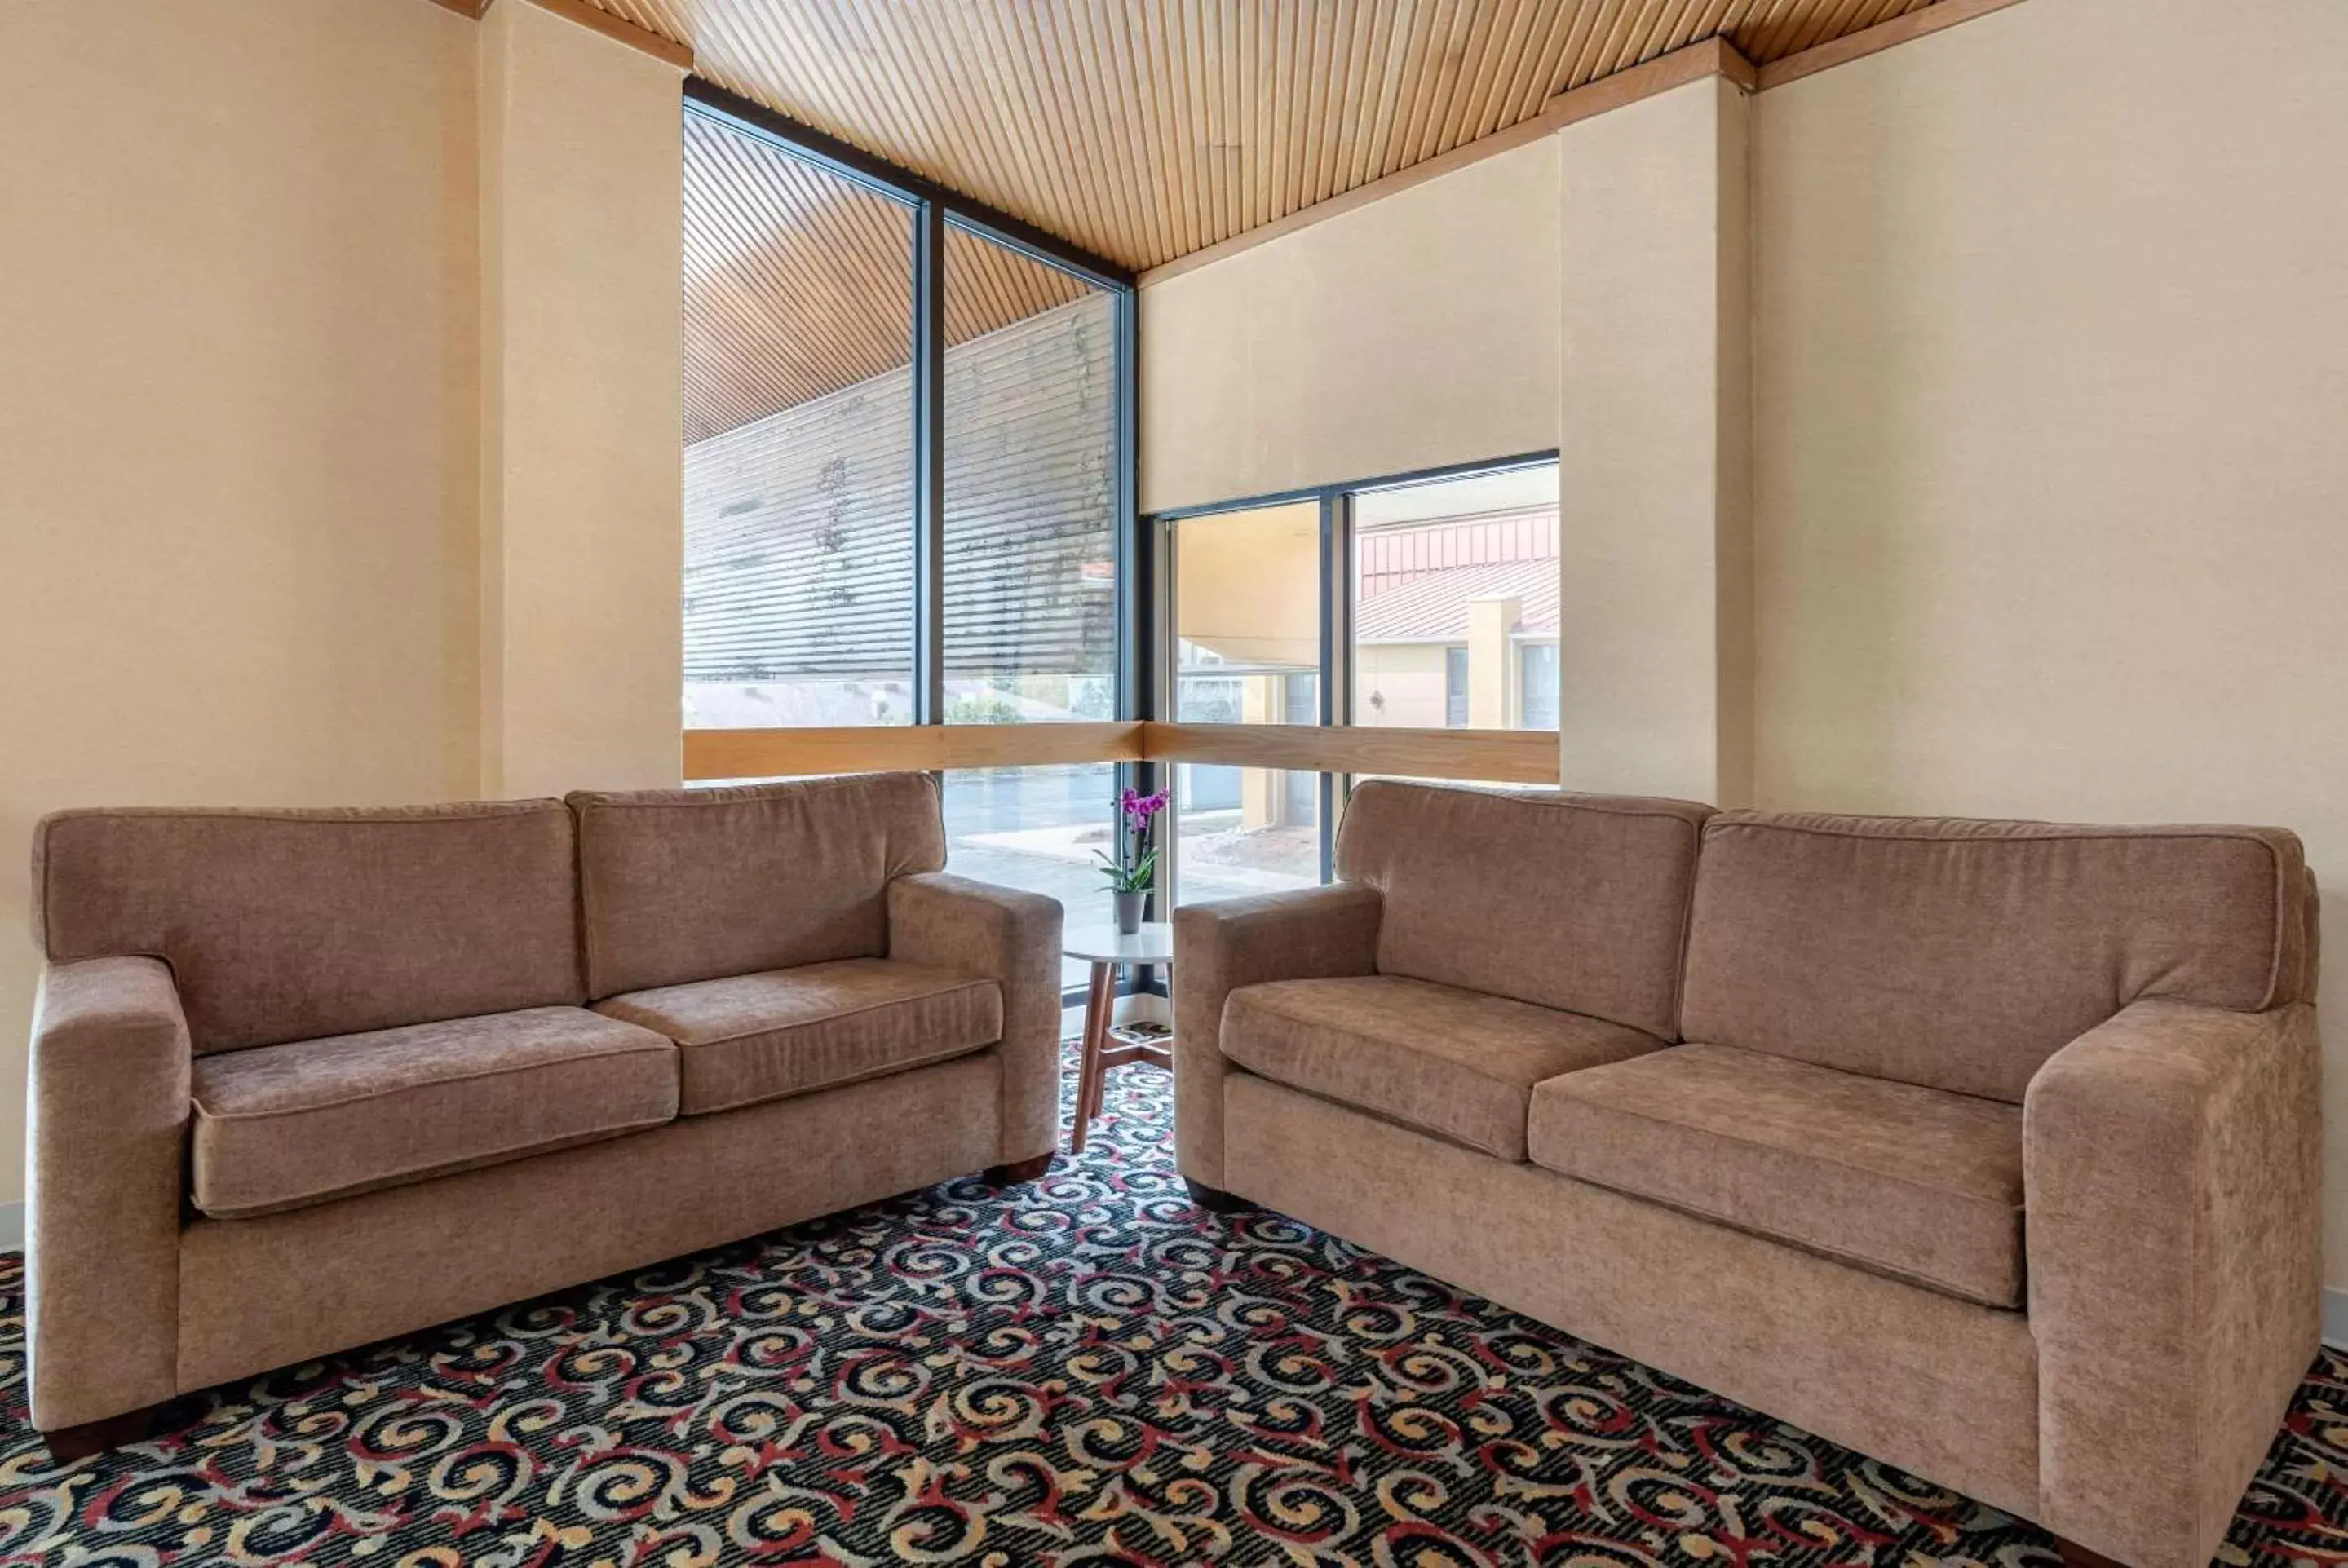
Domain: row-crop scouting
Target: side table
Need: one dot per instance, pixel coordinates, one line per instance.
(1106, 948)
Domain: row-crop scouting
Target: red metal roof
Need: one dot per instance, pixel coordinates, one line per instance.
(1432, 607)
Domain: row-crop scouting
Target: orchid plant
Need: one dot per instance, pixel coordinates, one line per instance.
(1136, 862)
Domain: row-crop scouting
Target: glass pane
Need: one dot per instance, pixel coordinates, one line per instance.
(798, 542)
(1030, 490)
(1036, 828)
(1247, 611)
(1455, 602)
(1242, 831)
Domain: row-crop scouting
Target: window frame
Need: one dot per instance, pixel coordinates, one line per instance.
(1337, 572)
(935, 207)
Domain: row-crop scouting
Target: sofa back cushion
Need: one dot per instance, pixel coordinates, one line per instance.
(296, 925)
(692, 885)
(1961, 954)
(1569, 901)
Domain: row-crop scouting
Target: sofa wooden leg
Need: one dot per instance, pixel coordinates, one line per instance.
(1014, 1175)
(70, 1443)
(2075, 1555)
(1214, 1199)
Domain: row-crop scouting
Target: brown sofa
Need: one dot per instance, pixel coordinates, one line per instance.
(1985, 1148)
(302, 1080)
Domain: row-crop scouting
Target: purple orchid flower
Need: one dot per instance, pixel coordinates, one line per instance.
(1136, 861)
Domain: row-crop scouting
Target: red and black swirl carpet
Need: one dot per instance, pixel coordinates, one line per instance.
(1089, 1371)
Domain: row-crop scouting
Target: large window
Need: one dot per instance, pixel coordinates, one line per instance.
(1036, 828)
(1455, 596)
(1424, 602)
(1030, 567)
(798, 457)
(1031, 489)
(908, 476)
(1247, 635)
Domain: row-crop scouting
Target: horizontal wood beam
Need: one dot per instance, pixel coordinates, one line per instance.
(1498, 756)
(1874, 40)
(884, 748)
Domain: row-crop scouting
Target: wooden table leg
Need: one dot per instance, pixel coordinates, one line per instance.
(1100, 1001)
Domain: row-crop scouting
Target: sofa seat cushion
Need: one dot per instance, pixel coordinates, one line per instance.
(284, 1126)
(1919, 1184)
(1458, 1063)
(786, 1031)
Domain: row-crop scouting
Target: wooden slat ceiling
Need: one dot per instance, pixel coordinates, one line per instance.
(1145, 130)
(798, 283)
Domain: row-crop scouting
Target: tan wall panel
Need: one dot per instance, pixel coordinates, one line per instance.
(1412, 333)
(237, 420)
(2053, 498)
(1653, 491)
(583, 510)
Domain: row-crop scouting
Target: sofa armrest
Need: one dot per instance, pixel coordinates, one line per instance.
(107, 1134)
(2170, 1175)
(1313, 934)
(1013, 938)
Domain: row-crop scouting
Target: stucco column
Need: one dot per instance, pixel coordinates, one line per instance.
(1489, 622)
(581, 535)
(1656, 679)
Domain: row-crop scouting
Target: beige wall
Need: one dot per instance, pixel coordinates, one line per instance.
(1653, 451)
(2053, 431)
(241, 412)
(582, 536)
(1418, 330)
(237, 381)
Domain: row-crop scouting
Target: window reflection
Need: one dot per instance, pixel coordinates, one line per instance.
(1455, 602)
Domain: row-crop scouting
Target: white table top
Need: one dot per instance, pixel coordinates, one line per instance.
(1101, 944)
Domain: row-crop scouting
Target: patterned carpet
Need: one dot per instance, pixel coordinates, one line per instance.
(1086, 1372)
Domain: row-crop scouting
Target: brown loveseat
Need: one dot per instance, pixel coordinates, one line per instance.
(1987, 1148)
(307, 1078)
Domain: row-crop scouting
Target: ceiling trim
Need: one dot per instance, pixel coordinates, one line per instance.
(613, 28)
(596, 21)
(1705, 58)
(1874, 40)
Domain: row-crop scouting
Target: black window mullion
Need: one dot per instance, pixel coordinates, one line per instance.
(928, 463)
(1337, 621)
